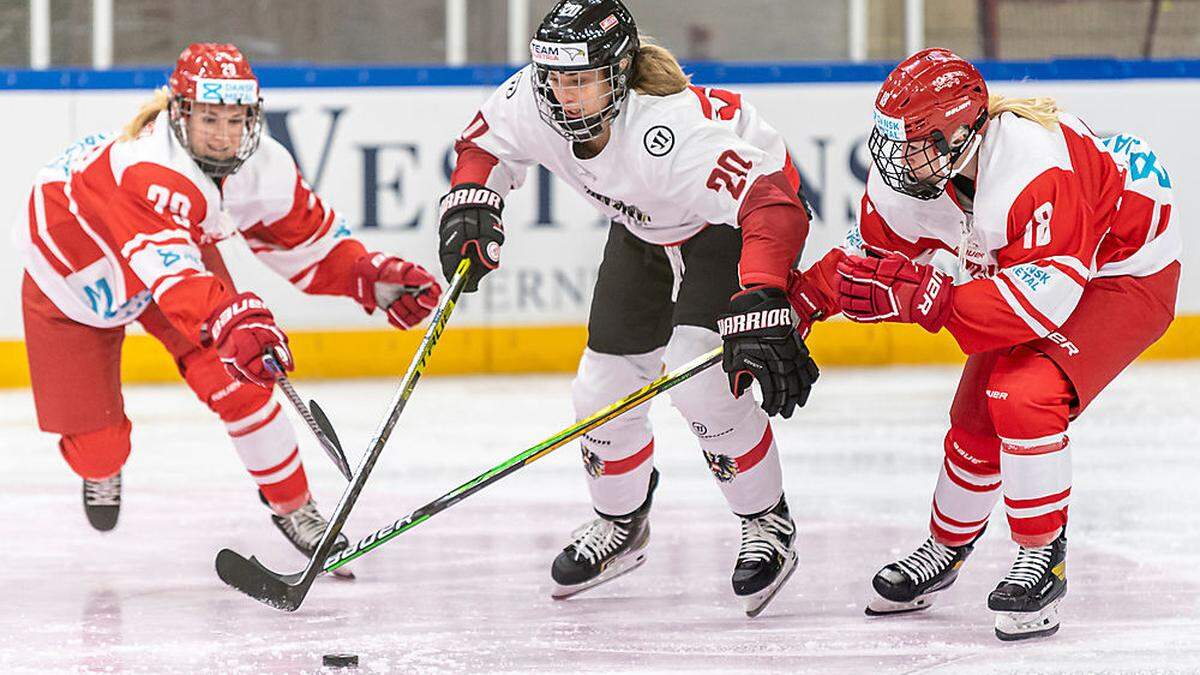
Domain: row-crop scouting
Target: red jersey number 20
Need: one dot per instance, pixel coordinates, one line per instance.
(730, 174)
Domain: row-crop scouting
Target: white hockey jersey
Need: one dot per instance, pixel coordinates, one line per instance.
(672, 165)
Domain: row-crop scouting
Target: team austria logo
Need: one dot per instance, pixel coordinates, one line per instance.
(556, 54)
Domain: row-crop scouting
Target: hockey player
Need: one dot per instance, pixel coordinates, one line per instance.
(1050, 254)
(121, 228)
(706, 222)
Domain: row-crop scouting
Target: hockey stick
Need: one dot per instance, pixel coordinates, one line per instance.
(316, 420)
(389, 532)
(287, 591)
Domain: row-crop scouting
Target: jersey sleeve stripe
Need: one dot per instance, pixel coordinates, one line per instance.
(322, 230)
(1048, 293)
(302, 281)
(1069, 267)
(164, 284)
(304, 276)
(142, 240)
(41, 232)
(48, 249)
(1018, 305)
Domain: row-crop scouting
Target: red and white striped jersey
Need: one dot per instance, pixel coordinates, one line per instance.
(1052, 210)
(112, 225)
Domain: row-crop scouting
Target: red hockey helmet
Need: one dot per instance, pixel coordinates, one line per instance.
(214, 74)
(928, 115)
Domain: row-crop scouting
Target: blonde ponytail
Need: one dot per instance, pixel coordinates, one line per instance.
(146, 114)
(1040, 109)
(656, 71)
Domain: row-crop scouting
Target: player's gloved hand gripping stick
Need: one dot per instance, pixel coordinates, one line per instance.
(287, 591)
(253, 349)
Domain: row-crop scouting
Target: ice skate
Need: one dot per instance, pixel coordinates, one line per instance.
(102, 502)
(603, 549)
(910, 584)
(766, 558)
(304, 528)
(1026, 601)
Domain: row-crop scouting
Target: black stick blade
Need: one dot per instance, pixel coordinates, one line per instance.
(323, 422)
(326, 427)
(285, 592)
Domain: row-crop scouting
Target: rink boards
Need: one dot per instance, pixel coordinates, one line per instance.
(377, 145)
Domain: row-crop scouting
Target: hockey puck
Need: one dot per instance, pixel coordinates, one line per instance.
(340, 660)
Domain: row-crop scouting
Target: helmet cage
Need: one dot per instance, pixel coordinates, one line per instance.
(931, 157)
(180, 111)
(612, 82)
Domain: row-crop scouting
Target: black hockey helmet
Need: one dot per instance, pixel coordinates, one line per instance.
(579, 37)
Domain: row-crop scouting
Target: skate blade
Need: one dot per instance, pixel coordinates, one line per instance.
(1012, 626)
(880, 606)
(757, 602)
(618, 568)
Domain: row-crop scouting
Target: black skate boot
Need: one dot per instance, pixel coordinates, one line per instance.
(102, 502)
(766, 558)
(603, 549)
(909, 584)
(1026, 601)
(304, 528)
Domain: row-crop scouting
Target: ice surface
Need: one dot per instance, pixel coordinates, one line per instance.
(469, 590)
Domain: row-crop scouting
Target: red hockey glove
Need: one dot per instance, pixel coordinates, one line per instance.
(809, 301)
(242, 330)
(405, 291)
(894, 288)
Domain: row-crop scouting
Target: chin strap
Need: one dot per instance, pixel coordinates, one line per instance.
(966, 157)
(963, 160)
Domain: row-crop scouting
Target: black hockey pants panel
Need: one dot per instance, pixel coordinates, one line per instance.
(632, 311)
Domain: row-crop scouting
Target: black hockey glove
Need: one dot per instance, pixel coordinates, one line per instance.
(762, 343)
(471, 228)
